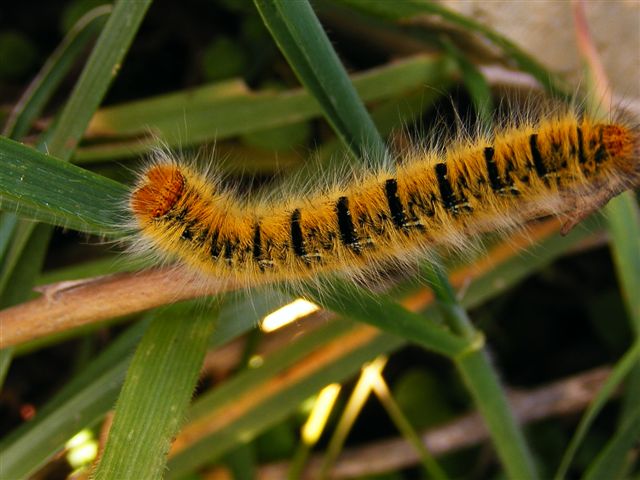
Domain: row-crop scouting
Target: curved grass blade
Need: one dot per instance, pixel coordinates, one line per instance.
(623, 217)
(613, 459)
(623, 211)
(474, 82)
(156, 393)
(505, 433)
(389, 316)
(223, 110)
(300, 37)
(619, 372)
(80, 403)
(258, 398)
(56, 192)
(100, 70)
(43, 86)
(410, 8)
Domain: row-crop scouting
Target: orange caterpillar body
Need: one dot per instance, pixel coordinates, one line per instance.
(566, 166)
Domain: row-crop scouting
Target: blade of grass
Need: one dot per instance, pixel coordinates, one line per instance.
(101, 68)
(623, 218)
(156, 392)
(43, 86)
(474, 82)
(80, 403)
(408, 9)
(223, 110)
(8, 223)
(619, 372)
(90, 395)
(623, 212)
(509, 440)
(383, 313)
(300, 37)
(258, 398)
(610, 462)
(402, 423)
(482, 381)
(56, 192)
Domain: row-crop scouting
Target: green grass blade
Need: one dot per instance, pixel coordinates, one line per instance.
(56, 192)
(505, 433)
(80, 403)
(88, 397)
(389, 316)
(101, 68)
(83, 101)
(8, 222)
(156, 393)
(623, 217)
(482, 289)
(407, 9)
(612, 460)
(483, 383)
(298, 33)
(276, 404)
(21, 236)
(6, 355)
(474, 82)
(223, 110)
(43, 86)
(619, 372)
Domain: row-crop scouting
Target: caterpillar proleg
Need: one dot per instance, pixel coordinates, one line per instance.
(567, 166)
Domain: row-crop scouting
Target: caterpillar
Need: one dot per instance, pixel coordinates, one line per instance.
(568, 166)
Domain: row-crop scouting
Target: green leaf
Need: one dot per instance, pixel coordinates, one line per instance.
(312, 64)
(92, 393)
(344, 359)
(156, 393)
(380, 311)
(407, 9)
(44, 85)
(475, 83)
(619, 372)
(56, 192)
(300, 37)
(623, 217)
(83, 401)
(100, 70)
(611, 461)
(223, 110)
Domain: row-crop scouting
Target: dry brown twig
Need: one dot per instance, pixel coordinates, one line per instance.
(563, 397)
(66, 306)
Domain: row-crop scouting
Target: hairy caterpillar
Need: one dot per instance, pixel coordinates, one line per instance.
(562, 166)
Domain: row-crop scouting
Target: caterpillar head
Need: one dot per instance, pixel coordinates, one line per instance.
(157, 192)
(622, 144)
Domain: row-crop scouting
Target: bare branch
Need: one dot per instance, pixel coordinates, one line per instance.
(559, 398)
(68, 305)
